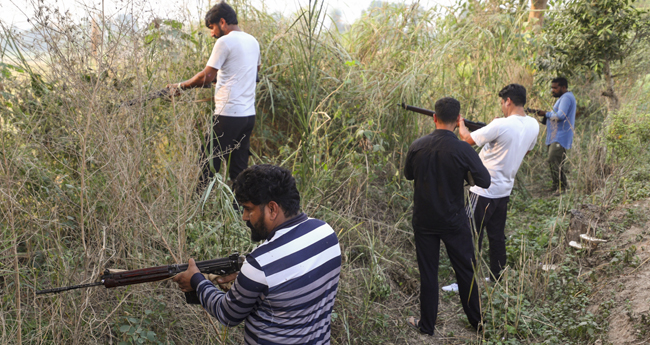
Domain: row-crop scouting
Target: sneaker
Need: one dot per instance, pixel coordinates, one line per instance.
(450, 288)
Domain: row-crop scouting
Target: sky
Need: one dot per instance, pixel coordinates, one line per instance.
(18, 12)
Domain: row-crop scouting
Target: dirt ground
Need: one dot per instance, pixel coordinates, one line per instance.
(622, 287)
(626, 284)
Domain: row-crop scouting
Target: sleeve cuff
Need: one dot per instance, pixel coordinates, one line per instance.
(197, 278)
(475, 138)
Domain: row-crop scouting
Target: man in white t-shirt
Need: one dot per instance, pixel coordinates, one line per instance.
(505, 142)
(234, 63)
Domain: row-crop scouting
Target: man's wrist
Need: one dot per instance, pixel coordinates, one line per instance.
(180, 86)
(196, 279)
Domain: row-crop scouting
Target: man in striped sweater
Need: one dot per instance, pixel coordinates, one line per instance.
(287, 285)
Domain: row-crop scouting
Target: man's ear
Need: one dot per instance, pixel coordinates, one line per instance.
(273, 209)
(222, 22)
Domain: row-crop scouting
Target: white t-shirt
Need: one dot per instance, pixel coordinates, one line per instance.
(236, 56)
(505, 142)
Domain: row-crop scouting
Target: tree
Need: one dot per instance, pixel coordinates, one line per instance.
(593, 34)
(537, 8)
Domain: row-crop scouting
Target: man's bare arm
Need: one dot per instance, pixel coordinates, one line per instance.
(201, 79)
(463, 132)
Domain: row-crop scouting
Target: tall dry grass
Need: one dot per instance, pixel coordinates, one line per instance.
(88, 183)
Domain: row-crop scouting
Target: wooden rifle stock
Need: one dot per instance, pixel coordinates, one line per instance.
(471, 125)
(115, 278)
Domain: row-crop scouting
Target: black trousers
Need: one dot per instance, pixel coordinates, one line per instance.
(229, 141)
(460, 249)
(490, 216)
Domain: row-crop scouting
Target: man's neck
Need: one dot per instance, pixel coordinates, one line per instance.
(519, 111)
(446, 127)
(231, 28)
(281, 219)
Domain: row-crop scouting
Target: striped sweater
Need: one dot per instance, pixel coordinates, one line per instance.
(286, 288)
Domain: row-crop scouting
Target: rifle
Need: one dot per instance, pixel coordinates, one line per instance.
(471, 125)
(151, 95)
(157, 94)
(536, 111)
(114, 278)
(165, 92)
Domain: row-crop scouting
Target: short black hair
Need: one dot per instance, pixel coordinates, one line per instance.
(218, 11)
(560, 81)
(516, 93)
(261, 184)
(447, 109)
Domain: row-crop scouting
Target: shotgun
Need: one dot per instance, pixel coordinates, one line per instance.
(114, 278)
(471, 125)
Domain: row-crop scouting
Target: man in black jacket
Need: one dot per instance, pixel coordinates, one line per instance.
(439, 164)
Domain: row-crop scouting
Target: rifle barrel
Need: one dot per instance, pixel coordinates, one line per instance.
(66, 288)
(113, 278)
(471, 125)
(152, 95)
(417, 110)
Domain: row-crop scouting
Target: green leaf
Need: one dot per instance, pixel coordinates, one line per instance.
(174, 24)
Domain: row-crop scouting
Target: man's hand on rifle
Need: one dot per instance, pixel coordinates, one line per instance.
(227, 279)
(225, 282)
(541, 113)
(183, 279)
(463, 132)
(175, 89)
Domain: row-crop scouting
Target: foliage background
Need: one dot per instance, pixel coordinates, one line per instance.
(87, 183)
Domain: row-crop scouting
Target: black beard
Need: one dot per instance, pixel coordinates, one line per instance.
(218, 35)
(257, 233)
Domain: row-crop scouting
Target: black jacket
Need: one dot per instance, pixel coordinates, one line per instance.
(439, 163)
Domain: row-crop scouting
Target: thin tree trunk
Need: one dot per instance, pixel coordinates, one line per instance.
(537, 9)
(612, 99)
(96, 38)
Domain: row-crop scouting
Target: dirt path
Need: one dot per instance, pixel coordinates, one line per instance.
(624, 275)
(618, 269)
